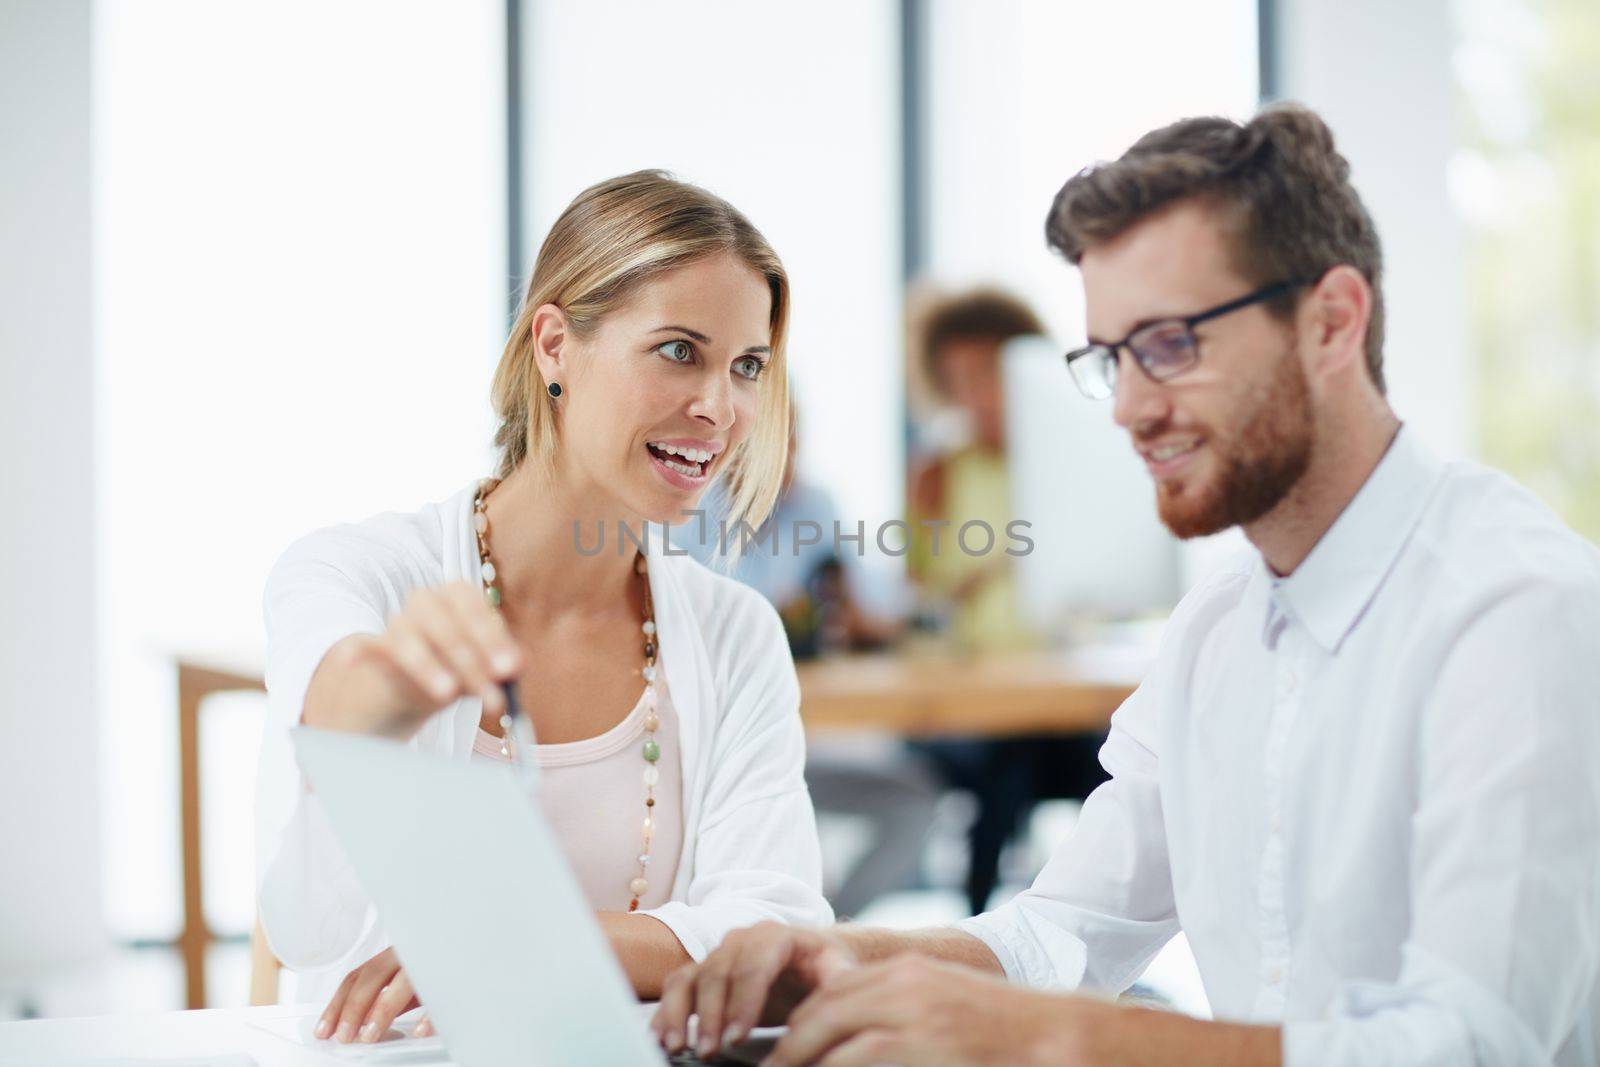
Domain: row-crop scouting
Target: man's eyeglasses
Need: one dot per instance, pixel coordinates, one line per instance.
(1163, 349)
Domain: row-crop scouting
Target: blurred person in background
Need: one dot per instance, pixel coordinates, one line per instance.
(646, 360)
(794, 561)
(957, 351)
(959, 472)
(1362, 775)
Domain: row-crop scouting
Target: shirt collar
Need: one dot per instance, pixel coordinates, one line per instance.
(1329, 591)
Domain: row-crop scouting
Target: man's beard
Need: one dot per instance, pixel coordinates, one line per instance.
(1261, 461)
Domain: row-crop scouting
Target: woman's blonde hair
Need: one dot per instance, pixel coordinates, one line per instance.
(610, 239)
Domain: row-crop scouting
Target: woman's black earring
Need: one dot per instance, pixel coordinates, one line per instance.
(554, 389)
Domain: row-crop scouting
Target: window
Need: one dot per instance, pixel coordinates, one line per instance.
(1526, 181)
(1022, 94)
(791, 113)
(300, 301)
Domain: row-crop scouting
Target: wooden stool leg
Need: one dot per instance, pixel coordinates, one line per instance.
(195, 936)
(195, 683)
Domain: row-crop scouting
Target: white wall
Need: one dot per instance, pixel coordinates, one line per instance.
(1379, 73)
(1022, 94)
(301, 301)
(791, 112)
(49, 780)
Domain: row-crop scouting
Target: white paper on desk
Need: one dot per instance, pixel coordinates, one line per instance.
(394, 1049)
(239, 1060)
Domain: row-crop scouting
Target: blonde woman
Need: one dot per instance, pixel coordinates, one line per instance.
(646, 362)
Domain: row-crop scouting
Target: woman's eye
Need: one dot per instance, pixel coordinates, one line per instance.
(677, 351)
(750, 367)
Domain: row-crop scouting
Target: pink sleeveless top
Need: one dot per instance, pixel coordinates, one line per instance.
(592, 792)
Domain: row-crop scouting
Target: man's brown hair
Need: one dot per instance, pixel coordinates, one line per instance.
(1289, 205)
(976, 315)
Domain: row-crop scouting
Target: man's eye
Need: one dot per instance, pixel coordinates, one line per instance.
(750, 367)
(1164, 344)
(677, 351)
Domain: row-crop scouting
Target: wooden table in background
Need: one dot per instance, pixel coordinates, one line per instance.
(913, 695)
(988, 695)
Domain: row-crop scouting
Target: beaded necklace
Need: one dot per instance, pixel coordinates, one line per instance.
(652, 748)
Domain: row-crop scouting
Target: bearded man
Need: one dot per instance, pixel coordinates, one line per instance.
(1363, 775)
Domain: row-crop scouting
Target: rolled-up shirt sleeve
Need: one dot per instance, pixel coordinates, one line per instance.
(1102, 907)
(1501, 958)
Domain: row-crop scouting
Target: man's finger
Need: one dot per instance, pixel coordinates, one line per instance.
(844, 982)
(869, 1049)
(750, 984)
(671, 1020)
(832, 962)
(710, 997)
(863, 999)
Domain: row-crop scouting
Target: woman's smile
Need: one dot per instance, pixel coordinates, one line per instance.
(684, 462)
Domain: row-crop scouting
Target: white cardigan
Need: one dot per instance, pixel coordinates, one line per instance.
(750, 848)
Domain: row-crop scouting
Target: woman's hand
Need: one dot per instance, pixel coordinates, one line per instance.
(447, 642)
(369, 1000)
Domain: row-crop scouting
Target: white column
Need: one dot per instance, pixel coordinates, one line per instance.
(49, 776)
(1379, 73)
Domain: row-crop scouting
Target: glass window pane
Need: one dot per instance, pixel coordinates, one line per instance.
(1526, 181)
(790, 112)
(300, 300)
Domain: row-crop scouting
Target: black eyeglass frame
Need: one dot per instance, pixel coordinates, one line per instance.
(1188, 322)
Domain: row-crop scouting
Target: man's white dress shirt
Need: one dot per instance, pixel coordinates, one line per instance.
(1369, 792)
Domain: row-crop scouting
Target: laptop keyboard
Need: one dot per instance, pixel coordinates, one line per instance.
(687, 1058)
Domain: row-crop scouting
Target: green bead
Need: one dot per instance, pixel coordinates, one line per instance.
(493, 593)
(652, 751)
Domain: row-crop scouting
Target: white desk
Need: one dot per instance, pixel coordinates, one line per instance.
(178, 1035)
(187, 1037)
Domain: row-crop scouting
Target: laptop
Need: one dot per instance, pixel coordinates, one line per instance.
(481, 906)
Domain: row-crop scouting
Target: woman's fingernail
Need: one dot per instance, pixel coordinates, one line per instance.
(674, 1041)
(706, 1045)
(346, 1032)
(733, 1035)
(504, 662)
(369, 1032)
(324, 1028)
(424, 1029)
